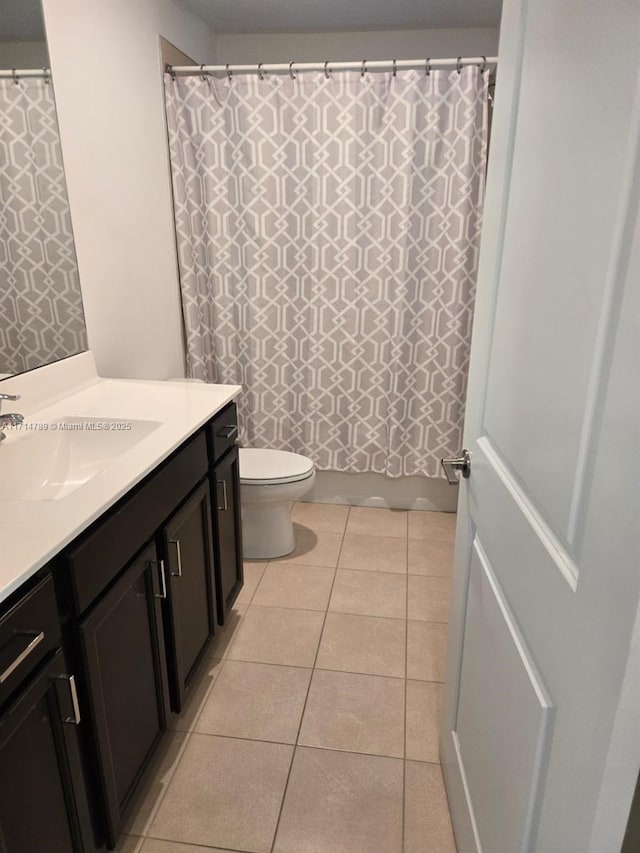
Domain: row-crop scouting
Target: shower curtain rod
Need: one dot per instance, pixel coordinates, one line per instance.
(17, 73)
(363, 66)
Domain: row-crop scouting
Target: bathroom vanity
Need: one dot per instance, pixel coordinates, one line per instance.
(112, 588)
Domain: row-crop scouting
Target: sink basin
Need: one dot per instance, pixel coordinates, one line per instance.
(49, 464)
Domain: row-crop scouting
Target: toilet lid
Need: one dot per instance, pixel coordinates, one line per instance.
(270, 467)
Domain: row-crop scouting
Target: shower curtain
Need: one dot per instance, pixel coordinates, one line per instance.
(328, 230)
(41, 317)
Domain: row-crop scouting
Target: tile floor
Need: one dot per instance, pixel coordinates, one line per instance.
(313, 726)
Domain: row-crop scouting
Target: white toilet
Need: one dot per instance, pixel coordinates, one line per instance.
(269, 481)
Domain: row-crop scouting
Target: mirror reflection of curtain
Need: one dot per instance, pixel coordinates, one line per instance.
(41, 317)
(328, 232)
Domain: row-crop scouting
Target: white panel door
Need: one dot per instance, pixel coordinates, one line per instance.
(539, 743)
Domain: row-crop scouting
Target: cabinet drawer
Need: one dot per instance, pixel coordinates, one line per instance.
(28, 632)
(223, 431)
(99, 556)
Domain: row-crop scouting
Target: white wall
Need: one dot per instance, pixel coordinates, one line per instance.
(384, 44)
(105, 57)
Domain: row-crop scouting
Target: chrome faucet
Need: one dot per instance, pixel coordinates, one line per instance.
(11, 418)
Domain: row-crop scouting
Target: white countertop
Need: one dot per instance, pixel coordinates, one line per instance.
(32, 532)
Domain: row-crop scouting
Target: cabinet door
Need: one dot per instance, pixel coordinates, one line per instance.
(123, 646)
(226, 490)
(191, 599)
(43, 802)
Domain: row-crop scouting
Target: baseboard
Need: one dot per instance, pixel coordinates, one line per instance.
(425, 493)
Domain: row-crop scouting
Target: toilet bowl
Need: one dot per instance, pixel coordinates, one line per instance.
(270, 480)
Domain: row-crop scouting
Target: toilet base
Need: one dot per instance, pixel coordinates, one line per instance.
(267, 531)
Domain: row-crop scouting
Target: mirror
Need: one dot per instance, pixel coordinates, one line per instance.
(41, 315)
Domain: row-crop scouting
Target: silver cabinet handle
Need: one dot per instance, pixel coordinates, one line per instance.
(36, 639)
(223, 483)
(76, 719)
(163, 580)
(228, 430)
(176, 542)
(12, 397)
(460, 463)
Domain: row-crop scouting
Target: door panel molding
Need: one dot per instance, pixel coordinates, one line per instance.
(535, 678)
(561, 557)
(614, 289)
(467, 795)
(506, 702)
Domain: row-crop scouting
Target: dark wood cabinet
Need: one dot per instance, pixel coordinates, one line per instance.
(43, 804)
(139, 595)
(190, 610)
(126, 681)
(225, 486)
(41, 784)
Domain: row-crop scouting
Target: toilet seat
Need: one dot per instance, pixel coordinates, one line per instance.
(260, 467)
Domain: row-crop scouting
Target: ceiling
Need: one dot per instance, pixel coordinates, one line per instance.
(21, 20)
(276, 16)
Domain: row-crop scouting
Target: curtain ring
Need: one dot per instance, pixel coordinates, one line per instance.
(46, 73)
(229, 72)
(394, 68)
(14, 75)
(427, 66)
(363, 68)
(260, 73)
(326, 70)
(291, 74)
(484, 65)
(459, 65)
(203, 76)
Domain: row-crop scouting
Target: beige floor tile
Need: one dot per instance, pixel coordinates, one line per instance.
(289, 585)
(330, 518)
(369, 594)
(278, 635)
(434, 526)
(227, 634)
(365, 644)
(225, 793)
(427, 820)
(427, 650)
(154, 845)
(156, 783)
(129, 844)
(357, 713)
(372, 521)
(424, 706)
(313, 548)
(430, 558)
(253, 571)
(256, 700)
(374, 553)
(429, 599)
(208, 670)
(338, 802)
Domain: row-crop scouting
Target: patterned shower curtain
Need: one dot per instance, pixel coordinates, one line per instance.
(328, 232)
(41, 317)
